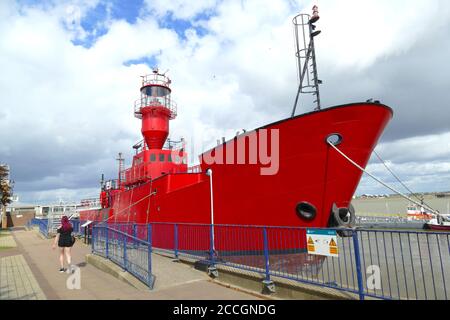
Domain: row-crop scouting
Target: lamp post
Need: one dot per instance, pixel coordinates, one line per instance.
(209, 173)
(212, 270)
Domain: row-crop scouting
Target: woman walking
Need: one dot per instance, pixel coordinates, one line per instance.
(65, 242)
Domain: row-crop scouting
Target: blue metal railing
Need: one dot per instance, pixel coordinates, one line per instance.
(129, 252)
(371, 263)
(43, 226)
(41, 223)
(76, 224)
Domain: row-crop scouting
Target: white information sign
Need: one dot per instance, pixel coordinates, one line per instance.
(322, 242)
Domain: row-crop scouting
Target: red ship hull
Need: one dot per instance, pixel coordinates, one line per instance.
(309, 171)
(435, 227)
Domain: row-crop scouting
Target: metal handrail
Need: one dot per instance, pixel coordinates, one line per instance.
(122, 233)
(155, 102)
(155, 79)
(195, 169)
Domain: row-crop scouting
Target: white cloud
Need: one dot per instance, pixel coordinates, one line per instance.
(64, 106)
(422, 163)
(356, 33)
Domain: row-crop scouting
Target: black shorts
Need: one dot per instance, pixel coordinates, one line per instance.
(65, 243)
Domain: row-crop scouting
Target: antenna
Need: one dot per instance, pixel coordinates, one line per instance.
(306, 56)
(121, 160)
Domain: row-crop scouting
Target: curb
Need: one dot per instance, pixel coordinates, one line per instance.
(114, 270)
(251, 283)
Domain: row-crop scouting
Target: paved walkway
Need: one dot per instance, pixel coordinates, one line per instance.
(33, 268)
(17, 281)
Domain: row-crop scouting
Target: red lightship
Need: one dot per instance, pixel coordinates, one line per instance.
(282, 174)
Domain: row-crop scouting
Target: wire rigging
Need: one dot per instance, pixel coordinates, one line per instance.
(399, 180)
(381, 182)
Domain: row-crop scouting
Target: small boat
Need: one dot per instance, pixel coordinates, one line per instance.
(416, 213)
(440, 222)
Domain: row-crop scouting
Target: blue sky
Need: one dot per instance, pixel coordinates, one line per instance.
(94, 21)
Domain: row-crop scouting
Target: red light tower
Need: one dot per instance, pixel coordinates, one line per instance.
(155, 108)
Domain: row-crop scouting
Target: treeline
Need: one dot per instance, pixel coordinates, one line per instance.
(5, 186)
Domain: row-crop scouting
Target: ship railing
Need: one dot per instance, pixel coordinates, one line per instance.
(165, 102)
(195, 169)
(89, 203)
(168, 145)
(369, 263)
(174, 145)
(135, 174)
(155, 79)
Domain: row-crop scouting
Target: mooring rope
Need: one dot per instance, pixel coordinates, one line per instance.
(381, 182)
(400, 181)
(133, 204)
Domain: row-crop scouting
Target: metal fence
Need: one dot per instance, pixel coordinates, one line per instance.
(129, 252)
(41, 223)
(44, 226)
(76, 224)
(371, 263)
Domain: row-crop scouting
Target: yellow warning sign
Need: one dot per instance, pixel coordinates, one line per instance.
(322, 242)
(311, 247)
(333, 247)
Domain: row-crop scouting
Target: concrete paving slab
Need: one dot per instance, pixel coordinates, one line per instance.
(6, 240)
(17, 281)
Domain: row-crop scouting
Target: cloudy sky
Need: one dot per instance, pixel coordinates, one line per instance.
(69, 74)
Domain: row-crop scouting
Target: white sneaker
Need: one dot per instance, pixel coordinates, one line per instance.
(71, 269)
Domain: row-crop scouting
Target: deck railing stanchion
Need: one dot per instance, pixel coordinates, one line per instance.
(175, 242)
(269, 285)
(358, 265)
(151, 277)
(93, 238)
(125, 252)
(107, 242)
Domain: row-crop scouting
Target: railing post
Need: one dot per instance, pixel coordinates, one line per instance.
(212, 270)
(151, 277)
(268, 284)
(124, 252)
(135, 234)
(175, 242)
(92, 237)
(107, 242)
(358, 265)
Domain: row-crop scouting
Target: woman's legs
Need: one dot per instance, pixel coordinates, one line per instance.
(61, 257)
(68, 255)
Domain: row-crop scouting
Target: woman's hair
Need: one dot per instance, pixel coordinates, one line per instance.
(65, 224)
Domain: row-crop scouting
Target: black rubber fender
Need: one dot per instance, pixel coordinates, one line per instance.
(344, 217)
